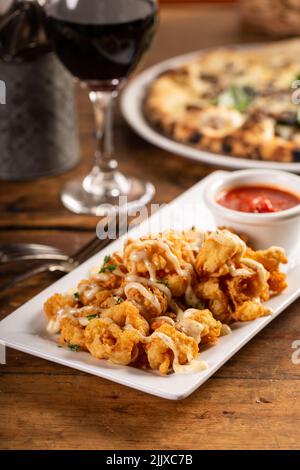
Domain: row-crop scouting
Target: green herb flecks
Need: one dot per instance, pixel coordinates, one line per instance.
(107, 267)
(118, 299)
(74, 347)
(236, 97)
(77, 295)
(91, 317)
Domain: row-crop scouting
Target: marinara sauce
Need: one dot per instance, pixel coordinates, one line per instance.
(258, 199)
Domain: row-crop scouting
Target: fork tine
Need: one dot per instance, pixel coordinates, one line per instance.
(28, 247)
(63, 268)
(21, 251)
(81, 255)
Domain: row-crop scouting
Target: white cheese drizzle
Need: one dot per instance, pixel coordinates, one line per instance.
(89, 290)
(147, 294)
(54, 325)
(188, 325)
(192, 366)
(166, 319)
(148, 282)
(184, 320)
(222, 236)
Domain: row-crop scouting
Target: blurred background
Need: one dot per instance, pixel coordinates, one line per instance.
(46, 132)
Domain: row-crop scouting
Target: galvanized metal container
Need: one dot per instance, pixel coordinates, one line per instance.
(38, 131)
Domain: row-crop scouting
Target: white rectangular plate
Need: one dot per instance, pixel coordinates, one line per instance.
(25, 328)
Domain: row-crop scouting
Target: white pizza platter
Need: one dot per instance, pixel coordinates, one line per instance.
(132, 108)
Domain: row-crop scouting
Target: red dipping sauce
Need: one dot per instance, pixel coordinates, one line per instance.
(258, 199)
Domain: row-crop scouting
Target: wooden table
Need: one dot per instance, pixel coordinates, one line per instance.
(252, 402)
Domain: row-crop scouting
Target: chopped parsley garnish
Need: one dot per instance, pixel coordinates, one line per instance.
(110, 268)
(164, 282)
(74, 347)
(90, 317)
(77, 296)
(236, 97)
(107, 267)
(118, 300)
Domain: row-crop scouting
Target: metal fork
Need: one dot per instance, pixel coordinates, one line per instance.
(65, 265)
(29, 251)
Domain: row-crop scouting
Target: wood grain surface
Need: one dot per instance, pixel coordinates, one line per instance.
(252, 402)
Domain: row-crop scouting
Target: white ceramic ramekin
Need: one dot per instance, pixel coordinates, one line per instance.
(264, 230)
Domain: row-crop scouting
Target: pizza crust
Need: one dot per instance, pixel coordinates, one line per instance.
(185, 103)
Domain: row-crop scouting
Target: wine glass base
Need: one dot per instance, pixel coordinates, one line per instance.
(76, 199)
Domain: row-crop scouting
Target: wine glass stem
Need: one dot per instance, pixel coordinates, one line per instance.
(103, 103)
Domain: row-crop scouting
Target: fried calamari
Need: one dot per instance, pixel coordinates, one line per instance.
(165, 297)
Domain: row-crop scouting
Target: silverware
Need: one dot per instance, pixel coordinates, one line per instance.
(60, 266)
(29, 251)
(64, 264)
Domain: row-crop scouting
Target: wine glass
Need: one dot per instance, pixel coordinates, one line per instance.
(100, 42)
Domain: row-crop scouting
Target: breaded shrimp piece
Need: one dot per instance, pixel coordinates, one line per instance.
(105, 299)
(270, 258)
(87, 290)
(212, 330)
(218, 302)
(110, 275)
(249, 311)
(161, 355)
(194, 239)
(211, 327)
(106, 340)
(151, 301)
(208, 289)
(220, 250)
(154, 253)
(257, 283)
(221, 311)
(72, 332)
(185, 243)
(177, 284)
(277, 282)
(168, 317)
(56, 303)
(98, 282)
(127, 314)
(241, 289)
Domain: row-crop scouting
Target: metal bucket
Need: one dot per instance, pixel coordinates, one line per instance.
(38, 131)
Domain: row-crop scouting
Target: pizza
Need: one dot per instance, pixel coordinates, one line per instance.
(237, 102)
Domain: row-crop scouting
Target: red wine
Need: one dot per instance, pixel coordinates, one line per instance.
(22, 33)
(101, 40)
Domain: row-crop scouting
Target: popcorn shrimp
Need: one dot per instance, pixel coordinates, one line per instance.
(106, 340)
